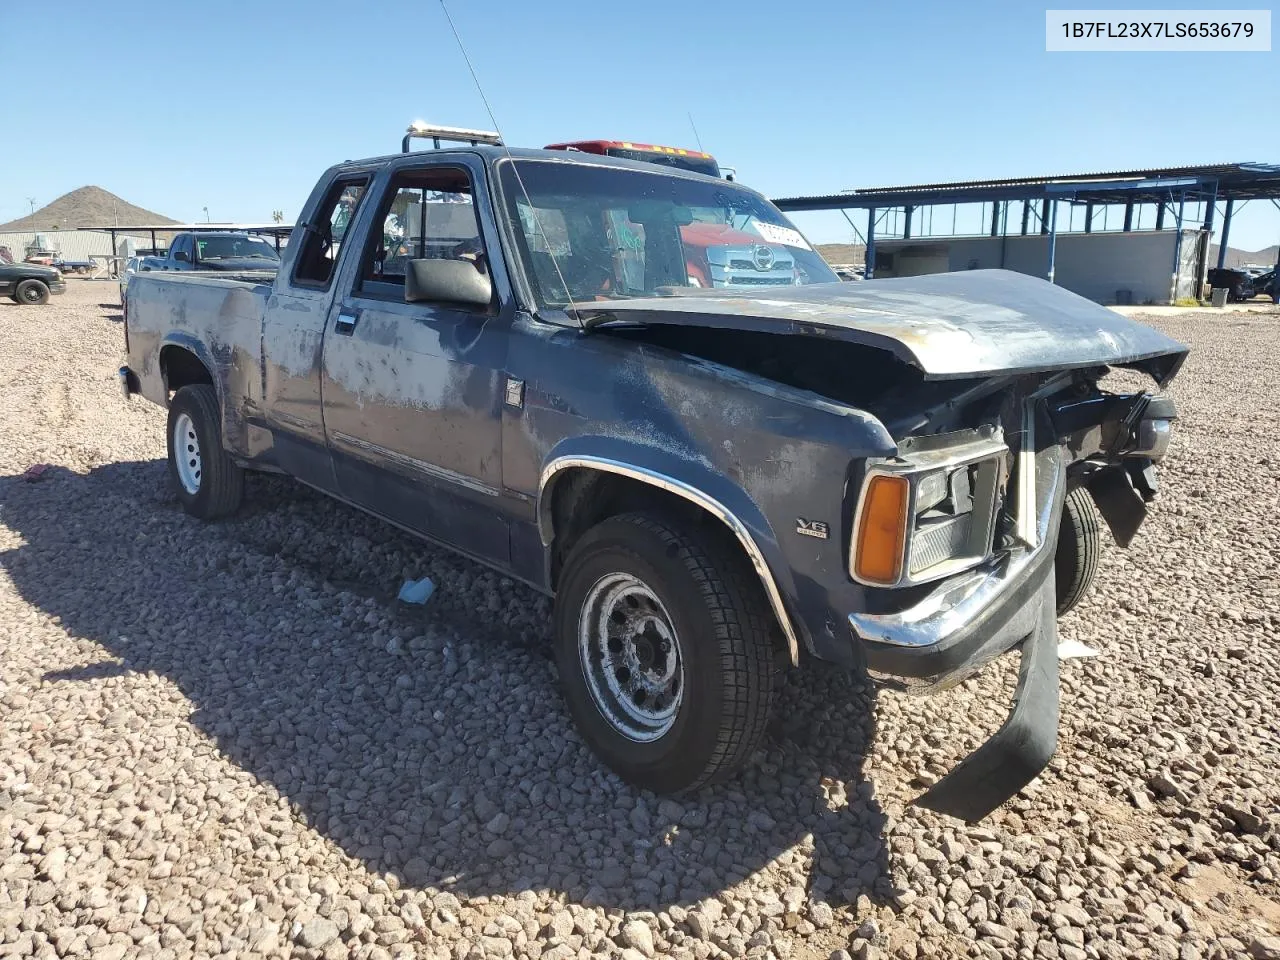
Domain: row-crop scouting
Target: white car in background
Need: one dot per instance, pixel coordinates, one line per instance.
(131, 266)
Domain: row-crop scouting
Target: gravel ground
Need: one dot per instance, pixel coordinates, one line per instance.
(230, 740)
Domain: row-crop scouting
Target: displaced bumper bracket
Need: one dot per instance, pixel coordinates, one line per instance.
(1022, 747)
(128, 382)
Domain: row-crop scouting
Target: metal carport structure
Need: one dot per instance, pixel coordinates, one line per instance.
(1168, 189)
(274, 230)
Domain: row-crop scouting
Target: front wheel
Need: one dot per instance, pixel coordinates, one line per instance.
(31, 292)
(1079, 549)
(208, 482)
(664, 648)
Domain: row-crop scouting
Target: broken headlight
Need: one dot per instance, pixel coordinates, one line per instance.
(946, 521)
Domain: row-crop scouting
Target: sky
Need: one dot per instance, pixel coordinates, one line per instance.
(238, 106)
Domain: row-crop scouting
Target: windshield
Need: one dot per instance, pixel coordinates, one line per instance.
(605, 233)
(226, 248)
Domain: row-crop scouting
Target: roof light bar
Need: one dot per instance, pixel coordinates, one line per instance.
(420, 130)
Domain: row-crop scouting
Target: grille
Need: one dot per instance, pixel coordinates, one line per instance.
(750, 265)
(741, 281)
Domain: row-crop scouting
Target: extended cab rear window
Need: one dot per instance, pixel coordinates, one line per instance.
(326, 230)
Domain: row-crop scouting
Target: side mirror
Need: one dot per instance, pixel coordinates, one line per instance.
(447, 281)
(182, 256)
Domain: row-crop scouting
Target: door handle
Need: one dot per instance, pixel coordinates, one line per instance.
(345, 325)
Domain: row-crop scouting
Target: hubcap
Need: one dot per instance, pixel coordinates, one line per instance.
(33, 295)
(630, 656)
(186, 453)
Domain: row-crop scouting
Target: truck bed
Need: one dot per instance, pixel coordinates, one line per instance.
(217, 316)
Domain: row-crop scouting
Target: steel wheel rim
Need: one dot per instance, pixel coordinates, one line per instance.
(32, 294)
(631, 657)
(186, 453)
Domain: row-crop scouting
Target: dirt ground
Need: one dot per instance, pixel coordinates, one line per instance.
(230, 740)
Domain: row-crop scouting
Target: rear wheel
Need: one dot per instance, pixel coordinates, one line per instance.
(664, 650)
(208, 482)
(1079, 549)
(31, 292)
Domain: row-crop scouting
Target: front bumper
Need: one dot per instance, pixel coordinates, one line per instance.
(1022, 747)
(57, 286)
(966, 623)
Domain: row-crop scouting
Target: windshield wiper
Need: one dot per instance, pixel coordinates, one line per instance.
(599, 320)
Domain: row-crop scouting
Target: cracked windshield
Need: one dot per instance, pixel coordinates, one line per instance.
(591, 234)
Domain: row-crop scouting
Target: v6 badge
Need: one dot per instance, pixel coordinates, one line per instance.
(811, 528)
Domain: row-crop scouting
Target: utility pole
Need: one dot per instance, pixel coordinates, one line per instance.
(206, 215)
(32, 201)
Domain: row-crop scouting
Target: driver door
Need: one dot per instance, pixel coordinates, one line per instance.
(413, 392)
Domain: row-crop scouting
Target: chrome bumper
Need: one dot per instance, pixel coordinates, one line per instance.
(970, 621)
(950, 610)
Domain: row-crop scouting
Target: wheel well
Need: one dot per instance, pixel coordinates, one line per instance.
(583, 497)
(181, 368)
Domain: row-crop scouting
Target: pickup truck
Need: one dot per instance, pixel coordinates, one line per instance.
(891, 477)
(216, 251)
(30, 283)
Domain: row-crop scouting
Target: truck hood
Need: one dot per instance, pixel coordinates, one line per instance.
(949, 325)
(27, 270)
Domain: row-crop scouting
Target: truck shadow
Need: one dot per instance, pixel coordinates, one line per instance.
(402, 734)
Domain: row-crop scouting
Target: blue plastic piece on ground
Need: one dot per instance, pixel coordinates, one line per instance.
(417, 591)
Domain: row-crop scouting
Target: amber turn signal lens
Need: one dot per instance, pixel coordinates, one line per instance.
(882, 530)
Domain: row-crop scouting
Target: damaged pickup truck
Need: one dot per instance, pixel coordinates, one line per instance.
(502, 351)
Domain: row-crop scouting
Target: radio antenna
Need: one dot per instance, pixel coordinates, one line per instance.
(695, 133)
(533, 211)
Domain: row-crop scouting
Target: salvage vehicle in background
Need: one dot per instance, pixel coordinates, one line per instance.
(682, 159)
(130, 267)
(80, 267)
(30, 283)
(711, 482)
(227, 252)
(718, 252)
(1243, 285)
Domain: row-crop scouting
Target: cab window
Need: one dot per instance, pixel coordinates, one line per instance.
(323, 236)
(425, 215)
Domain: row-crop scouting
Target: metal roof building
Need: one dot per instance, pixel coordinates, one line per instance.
(71, 244)
(1180, 197)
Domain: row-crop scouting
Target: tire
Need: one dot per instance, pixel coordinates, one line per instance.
(33, 293)
(208, 482)
(706, 602)
(1079, 549)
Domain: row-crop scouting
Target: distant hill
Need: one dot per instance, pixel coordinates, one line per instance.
(1236, 257)
(842, 252)
(84, 207)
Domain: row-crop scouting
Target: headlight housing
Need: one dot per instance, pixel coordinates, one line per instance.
(928, 514)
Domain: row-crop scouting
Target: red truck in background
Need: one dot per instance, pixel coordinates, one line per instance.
(694, 160)
(717, 253)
